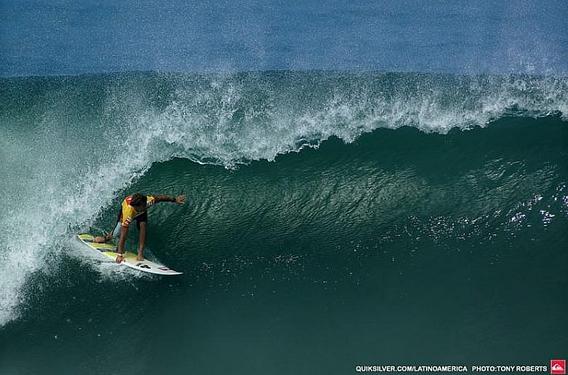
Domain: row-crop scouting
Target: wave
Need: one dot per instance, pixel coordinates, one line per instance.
(70, 144)
(505, 179)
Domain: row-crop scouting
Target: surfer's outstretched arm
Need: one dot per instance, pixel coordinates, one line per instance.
(180, 199)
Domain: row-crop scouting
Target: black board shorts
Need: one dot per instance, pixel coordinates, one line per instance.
(139, 219)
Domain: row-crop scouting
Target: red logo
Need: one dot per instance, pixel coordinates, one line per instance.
(558, 366)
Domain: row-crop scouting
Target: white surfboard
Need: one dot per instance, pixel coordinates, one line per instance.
(108, 251)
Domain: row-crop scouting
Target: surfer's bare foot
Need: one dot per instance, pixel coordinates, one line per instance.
(140, 257)
(102, 239)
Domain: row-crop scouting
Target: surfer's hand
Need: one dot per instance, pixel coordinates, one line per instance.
(180, 199)
(119, 258)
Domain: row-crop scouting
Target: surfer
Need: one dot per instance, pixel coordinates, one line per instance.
(134, 207)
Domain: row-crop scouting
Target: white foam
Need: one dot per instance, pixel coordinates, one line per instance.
(202, 126)
(63, 188)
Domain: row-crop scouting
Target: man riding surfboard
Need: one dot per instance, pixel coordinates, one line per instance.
(134, 207)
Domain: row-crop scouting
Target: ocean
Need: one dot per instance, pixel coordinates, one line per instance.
(333, 220)
(369, 184)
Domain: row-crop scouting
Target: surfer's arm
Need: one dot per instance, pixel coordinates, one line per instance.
(121, 242)
(180, 199)
(141, 241)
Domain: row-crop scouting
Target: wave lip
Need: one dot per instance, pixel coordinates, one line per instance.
(234, 119)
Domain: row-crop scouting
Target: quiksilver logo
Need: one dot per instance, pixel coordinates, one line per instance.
(558, 366)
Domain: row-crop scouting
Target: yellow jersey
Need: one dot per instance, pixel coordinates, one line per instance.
(128, 213)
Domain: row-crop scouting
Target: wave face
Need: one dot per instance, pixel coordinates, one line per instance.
(397, 163)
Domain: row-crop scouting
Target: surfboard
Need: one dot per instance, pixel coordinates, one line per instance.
(108, 251)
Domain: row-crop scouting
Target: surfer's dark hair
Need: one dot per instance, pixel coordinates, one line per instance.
(138, 200)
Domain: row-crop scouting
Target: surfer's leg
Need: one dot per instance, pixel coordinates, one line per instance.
(116, 231)
(109, 236)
